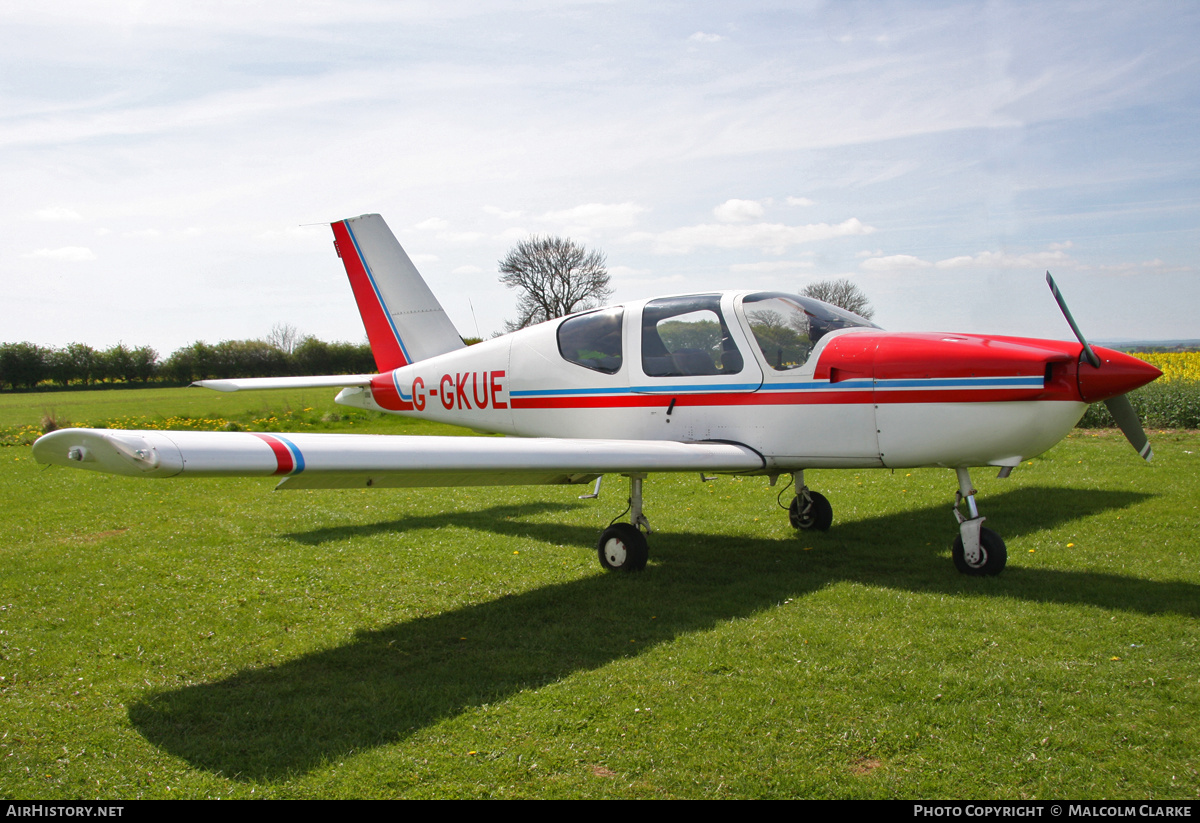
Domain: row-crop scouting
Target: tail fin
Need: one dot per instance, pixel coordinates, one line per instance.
(405, 322)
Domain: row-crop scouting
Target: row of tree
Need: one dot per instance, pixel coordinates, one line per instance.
(26, 365)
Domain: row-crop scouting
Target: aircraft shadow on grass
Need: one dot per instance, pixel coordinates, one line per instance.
(386, 684)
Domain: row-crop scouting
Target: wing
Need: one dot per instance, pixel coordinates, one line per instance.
(343, 461)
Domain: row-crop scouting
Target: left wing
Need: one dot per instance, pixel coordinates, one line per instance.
(338, 461)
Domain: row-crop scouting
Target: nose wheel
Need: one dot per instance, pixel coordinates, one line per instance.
(976, 551)
(990, 560)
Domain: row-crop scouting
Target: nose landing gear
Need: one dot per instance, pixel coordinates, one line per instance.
(976, 551)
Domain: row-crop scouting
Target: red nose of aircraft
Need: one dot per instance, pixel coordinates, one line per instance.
(1118, 374)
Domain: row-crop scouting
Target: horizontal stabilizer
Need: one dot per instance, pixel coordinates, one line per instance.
(317, 461)
(325, 381)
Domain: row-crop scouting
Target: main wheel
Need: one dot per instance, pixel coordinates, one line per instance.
(623, 547)
(994, 555)
(817, 515)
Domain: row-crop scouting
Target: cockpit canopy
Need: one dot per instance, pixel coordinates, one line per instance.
(690, 335)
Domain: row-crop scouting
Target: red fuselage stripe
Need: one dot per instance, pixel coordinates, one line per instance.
(807, 398)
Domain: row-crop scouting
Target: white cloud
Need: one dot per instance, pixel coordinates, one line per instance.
(738, 211)
(513, 234)
(69, 254)
(773, 238)
(433, 224)
(1004, 260)
(705, 37)
(501, 213)
(460, 236)
(645, 280)
(771, 266)
(596, 216)
(895, 262)
(1055, 258)
(58, 214)
(799, 201)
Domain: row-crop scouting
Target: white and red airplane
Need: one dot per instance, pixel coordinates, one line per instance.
(744, 382)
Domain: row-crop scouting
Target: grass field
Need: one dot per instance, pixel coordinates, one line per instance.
(214, 639)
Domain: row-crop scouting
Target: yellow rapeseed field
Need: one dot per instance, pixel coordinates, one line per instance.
(1175, 365)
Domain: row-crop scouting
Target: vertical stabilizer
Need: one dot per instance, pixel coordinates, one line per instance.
(405, 322)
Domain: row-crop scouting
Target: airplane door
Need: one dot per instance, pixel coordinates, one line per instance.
(694, 360)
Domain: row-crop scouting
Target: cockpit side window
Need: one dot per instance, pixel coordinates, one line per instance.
(685, 336)
(593, 340)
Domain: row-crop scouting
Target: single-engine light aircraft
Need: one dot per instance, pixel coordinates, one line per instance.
(741, 382)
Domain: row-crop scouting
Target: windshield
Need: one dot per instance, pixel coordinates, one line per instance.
(787, 326)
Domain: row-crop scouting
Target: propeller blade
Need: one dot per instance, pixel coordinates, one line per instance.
(1119, 406)
(1122, 411)
(1092, 357)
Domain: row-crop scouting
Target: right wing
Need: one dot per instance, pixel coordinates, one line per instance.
(328, 461)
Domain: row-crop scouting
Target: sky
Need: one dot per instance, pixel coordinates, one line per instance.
(170, 169)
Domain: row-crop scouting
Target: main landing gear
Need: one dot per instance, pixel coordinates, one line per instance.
(809, 509)
(622, 546)
(976, 551)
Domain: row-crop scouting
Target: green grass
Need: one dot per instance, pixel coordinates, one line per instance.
(213, 639)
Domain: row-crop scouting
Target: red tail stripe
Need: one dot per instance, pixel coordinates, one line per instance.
(384, 345)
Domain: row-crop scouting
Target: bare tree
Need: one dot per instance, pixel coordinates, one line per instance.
(555, 277)
(841, 293)
(285, 337)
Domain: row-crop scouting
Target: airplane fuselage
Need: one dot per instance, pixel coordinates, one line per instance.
(861, 397)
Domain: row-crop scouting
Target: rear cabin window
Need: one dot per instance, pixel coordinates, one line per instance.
(685, 336)
(593, 340)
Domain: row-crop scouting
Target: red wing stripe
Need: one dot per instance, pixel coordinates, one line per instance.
(283, 457)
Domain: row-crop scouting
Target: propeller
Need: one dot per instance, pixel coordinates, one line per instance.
(1124, 374)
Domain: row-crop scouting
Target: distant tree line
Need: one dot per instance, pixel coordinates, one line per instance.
(26, 365)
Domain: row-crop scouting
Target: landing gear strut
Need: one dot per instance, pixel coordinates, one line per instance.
(976, 551)
(809, 509)
(623, 546)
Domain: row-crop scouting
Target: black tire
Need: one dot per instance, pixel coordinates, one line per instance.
(819, 514)
(995, 555)
(623, 548)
